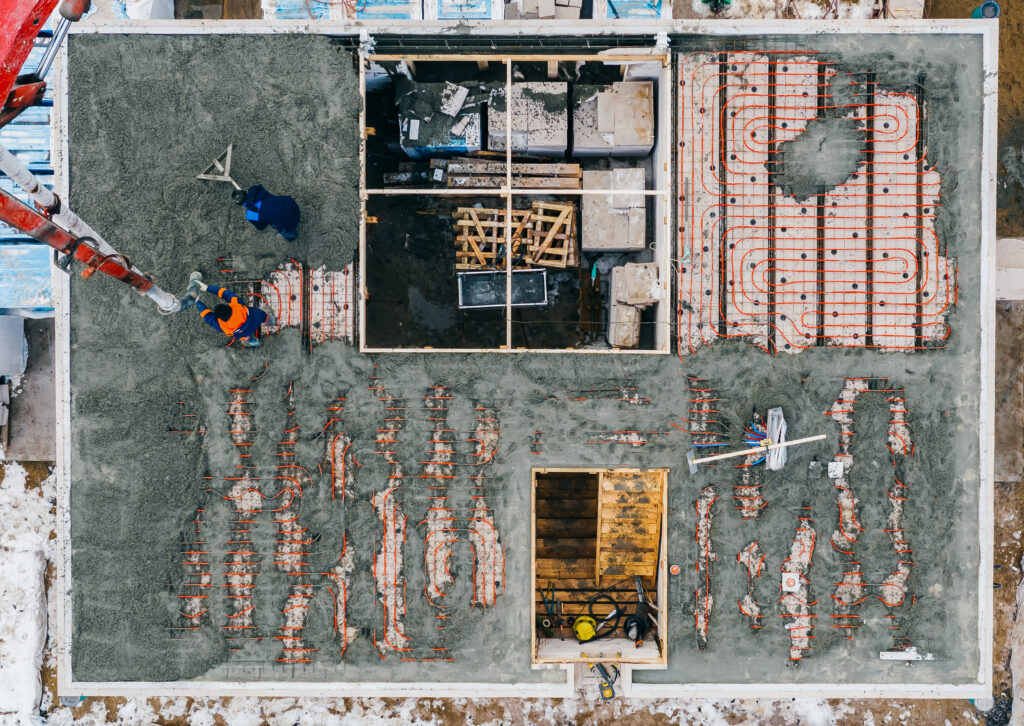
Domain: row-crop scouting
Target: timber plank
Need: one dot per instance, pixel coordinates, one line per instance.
(631, 511)
(626, 570)
(566, 488)
(557, 527)
(632, 526)
(590, 585)
(633, 481)
(524, 182)
(472, 166)
(629, 541)
(575, 568)
(631, 498)
(567, 508)
(622, 557)
(566, 547)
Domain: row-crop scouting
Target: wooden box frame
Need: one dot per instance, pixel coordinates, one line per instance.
(613, 650)
(662, 191)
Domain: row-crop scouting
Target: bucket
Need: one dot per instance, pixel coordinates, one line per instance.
(987, 10)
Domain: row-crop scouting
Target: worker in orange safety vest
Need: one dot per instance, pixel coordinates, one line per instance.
(237, 321)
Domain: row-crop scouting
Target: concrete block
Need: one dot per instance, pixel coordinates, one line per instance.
(452, 98)
(616, 119)
(13, 345)
(539, 116)
(33, 417)
(425, 126)
(903, 9)
(614, 222)
(624, 326)
(633, 288)
(1010, 269)
(546, 9)
(636, 284)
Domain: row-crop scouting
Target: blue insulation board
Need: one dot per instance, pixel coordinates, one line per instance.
(365, 9)
(24, 263)
(301, 10)
(633, 9)
(387, 10)
(25, 278)
(464, 9)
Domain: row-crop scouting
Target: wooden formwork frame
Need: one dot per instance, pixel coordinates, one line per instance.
(661, 192)
(662, 572)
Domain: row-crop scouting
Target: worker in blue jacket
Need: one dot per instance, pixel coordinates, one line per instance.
(264, 209)
(237, 321)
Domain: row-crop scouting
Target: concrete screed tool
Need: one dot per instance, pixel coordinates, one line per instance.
(221, 164)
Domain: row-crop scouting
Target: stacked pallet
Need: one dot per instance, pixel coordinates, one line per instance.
(553, 237)
(543, 236)
(480, 237)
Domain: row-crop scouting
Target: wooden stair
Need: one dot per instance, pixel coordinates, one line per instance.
(566, 511)
(629, 510)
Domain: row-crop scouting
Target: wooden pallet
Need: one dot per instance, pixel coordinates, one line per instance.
(628, 524)
(480, 237)
(553, 235)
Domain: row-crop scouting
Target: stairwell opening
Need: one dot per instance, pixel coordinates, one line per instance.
(599, 565)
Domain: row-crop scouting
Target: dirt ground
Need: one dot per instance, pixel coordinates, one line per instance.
(1010, 214)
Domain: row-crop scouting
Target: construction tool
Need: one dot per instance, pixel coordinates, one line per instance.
(637, 626)
(768, 446)
(605, 680)
(222, 165)
(584, 628)
(553, 618)
(587, 628)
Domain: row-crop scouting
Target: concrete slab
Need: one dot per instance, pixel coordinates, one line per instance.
(382, 442)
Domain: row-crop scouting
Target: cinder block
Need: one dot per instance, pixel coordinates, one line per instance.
(615, 119)
(613, 222)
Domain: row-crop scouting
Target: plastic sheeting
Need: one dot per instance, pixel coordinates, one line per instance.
(775, 459)
(13, 346)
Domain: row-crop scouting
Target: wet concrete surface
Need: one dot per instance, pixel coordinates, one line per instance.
(131, 511)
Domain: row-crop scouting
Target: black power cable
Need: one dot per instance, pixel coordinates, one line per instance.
(616, 611)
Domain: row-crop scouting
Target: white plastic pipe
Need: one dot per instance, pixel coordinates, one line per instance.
(758, 449)
(71, 222)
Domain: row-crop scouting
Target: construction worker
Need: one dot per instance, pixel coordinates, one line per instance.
(237, 321)
(264, 209)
